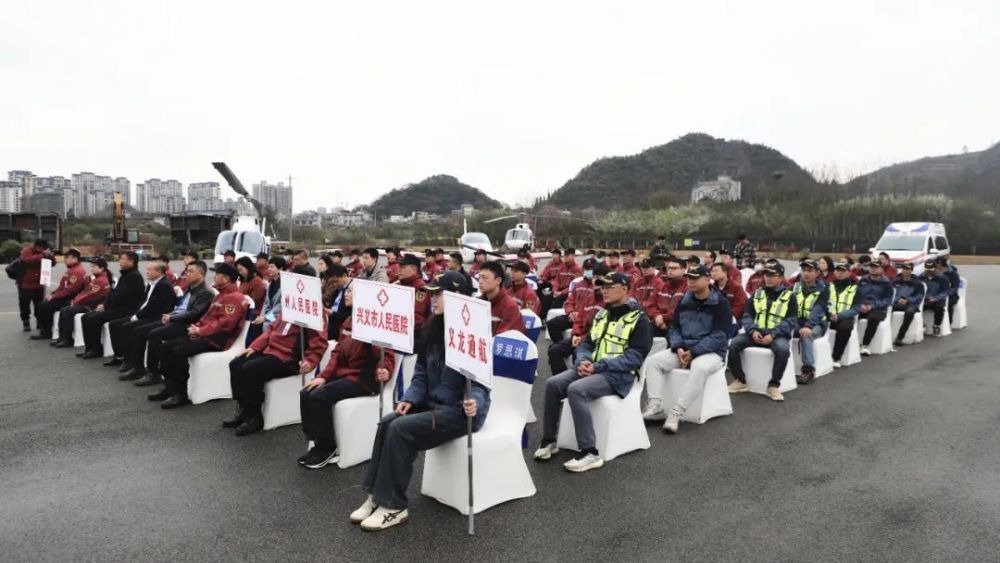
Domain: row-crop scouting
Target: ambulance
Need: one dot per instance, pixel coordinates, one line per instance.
(913, 242)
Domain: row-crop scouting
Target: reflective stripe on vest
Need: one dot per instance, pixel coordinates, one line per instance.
(611, 337)
(805, 302)
(769, 319)
(842, 302)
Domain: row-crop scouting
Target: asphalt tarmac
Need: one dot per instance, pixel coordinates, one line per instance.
(894, 459)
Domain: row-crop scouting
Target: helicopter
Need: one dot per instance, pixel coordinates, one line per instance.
(522, 236)
(246, 238)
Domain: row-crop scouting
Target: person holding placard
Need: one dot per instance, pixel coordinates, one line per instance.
(409, 276)
(354, 370)
(607, 363)
(29, 287)
(431, 412)
(72, 283)
(505, 310)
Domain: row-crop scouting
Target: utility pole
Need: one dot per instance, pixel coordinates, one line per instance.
(291, 221)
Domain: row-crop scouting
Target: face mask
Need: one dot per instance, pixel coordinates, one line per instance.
(757, 267)
(588, 274)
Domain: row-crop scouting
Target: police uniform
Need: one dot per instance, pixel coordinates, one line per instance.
(842, 309)
(771, 312)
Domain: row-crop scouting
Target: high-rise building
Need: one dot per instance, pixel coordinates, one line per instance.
(160, 197)
(52, 194)
(204, 196)
(277, 197)
(11, 196)
(95, 195)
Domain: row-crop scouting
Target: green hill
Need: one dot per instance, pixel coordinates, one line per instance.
(436, 194)
(664, 175)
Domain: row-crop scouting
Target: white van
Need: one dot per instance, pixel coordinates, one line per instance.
(913, 242)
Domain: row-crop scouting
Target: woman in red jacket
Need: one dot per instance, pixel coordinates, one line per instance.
(250, 282)
(354, 370)
(97, 287)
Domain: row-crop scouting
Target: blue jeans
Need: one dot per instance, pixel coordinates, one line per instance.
(579, 392)
(807, 347)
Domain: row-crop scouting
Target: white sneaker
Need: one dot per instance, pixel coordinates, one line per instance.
(545, 453)
(654, 410)
(738, 386)
(865, 351)
(837, 365)
(384, 518)
(673, 422)
(774, 394)
(364, 511)
(586, 463)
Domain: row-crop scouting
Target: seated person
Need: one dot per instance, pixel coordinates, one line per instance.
(937, 293)
(72, 283)
(355, 370)
(909, 294)
(874, 298)
(432, 411)
(126, 297)
(768, 322)
(950, 272)
(504, 309)
(217, 330)
(698, 340)
(811, 296)
(582, 293)
(97, 289)
(588, 308)
(607, 363)
(673, 290)
(523, 293)
(841, 305)
(159, 301)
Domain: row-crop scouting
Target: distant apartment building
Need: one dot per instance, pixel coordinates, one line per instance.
(277, 197)
(204, 196)
(55, 191)
(11, 197)
(95, 195)
(722, 189)
(160, 197)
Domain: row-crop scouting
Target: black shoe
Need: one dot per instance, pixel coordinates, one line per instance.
(89, 355)
(897, 343)
(807, 375)
(63, 344)
(131, 375)
(26, 327)
(125, 367)
(175, 401)
(114, 362)
(319, 459)
(235, 420)
(252, 426)
(302, 459)
(148, 379)
(42, 335)
(161, 395)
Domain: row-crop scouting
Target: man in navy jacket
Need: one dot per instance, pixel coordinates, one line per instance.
(874, 298)
(698, 340)
(938, 289)
(909, 293)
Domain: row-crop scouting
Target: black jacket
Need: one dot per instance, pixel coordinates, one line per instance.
(198, 304)
(128, 294)
(160, 302)
(306, 270)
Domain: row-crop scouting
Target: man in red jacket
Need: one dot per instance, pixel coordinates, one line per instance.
(630, 269)
(504, 309)
(733, 291)
(409, 276)
(583, 290)
(569, 271)
(392, 264)
(587, 301)
(217, 330)
(72, 282)
(520, 290)
(646, 290)
(97, 287)
(674, 287)
(29, 287)
(546, 282)
(354, 370)
(732, 272)
(276, 353)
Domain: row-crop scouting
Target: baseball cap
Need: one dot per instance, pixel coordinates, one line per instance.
(809, 263)
(775, 268)
(907, 266)
(450, 281)
(841, 266)
(589, 264)
(628, 252)
(409, 260)
(226, 270)
(699, 271)
(614, 278)
(930, 263)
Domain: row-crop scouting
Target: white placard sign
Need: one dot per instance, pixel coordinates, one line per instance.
(46, 276)
(302, 300)
(383, 314)
(468, 337)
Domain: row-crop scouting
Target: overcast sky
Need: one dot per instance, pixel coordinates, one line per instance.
(353, 99)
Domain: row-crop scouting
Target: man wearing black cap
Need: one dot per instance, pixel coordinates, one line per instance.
(118, 306)
(432, 411)
(698, 340)
(937, 293)
(874, 298)
(842, 306)
(72, 282)
(607, 362)
(950, 273)
(216, 330)
(811, 299)
(520, 290)
(581, 294)
(909, 293)
(768, 322)
(409, 276)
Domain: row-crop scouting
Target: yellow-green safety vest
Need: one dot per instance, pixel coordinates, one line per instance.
(805, 302)
(842, 302)
(768, 319)
(611, 337)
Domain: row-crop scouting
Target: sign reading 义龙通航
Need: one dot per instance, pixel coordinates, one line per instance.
(468, 337)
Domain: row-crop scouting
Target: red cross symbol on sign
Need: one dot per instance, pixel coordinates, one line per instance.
(466, 315)
(383, 297)
(300, 286)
